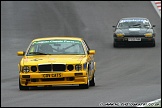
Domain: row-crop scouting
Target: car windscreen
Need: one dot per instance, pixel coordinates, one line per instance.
(54, 47)
(134, 23)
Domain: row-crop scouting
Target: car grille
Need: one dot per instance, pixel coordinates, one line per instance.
(59, 67)
(46, 67)
(51, 67)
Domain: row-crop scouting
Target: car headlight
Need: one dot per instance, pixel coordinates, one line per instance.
(119, 34)
(33, 68)
(70, 67)
(148, 35)
(85, 66)
(25, 69)
(78, 67)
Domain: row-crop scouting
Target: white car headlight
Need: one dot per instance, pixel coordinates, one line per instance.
(78, 67)
(85, 66)
(26, 69)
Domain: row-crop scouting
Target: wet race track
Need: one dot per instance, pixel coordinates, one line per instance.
(127, 74)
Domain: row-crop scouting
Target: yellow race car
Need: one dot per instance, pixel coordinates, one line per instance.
(51, 61)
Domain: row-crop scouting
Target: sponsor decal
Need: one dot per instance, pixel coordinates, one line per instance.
(134, 20)
(36, 59)
(57, 41)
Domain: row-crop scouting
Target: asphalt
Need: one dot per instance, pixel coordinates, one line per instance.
(127, 74)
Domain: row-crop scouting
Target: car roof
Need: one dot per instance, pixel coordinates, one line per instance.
(134, 18)
(58, 37)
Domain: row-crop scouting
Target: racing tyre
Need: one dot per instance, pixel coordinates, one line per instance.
(84, 86)
(92, 82)
(23, 87)
(115, 45)
(153, 44)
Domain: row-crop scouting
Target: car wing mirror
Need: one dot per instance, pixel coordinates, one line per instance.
(91, 52)
(20, 53)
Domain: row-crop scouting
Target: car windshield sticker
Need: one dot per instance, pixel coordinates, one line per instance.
(134, 20)
(57, 41)
(134, 29)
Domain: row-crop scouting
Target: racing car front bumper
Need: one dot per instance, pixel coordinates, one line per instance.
(51, 79)
(134, 40)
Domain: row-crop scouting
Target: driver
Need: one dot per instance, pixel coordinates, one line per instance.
(46, 48)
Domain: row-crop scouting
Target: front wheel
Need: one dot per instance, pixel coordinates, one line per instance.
(85, 86)
(23, 87)
(153, 44)
(92, 82)
(115, 44)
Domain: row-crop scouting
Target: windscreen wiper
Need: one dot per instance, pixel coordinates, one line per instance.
(37, 53)
(136, 25)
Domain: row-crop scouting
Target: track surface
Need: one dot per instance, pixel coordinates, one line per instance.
(129, 74)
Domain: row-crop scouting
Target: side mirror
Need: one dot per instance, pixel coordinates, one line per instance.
(91, 52)
(20, 53)
(113, 26)
(153, 25)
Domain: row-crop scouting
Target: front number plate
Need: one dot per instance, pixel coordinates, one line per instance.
(55, 75)
(134, 39)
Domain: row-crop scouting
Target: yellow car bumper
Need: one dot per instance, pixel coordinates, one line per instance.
(55, 78)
